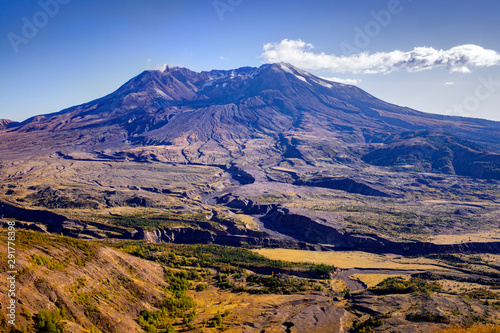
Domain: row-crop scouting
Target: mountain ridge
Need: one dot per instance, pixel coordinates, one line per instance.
(221, 116)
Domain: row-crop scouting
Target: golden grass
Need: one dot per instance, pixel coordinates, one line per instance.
(486, 236)
(461, 287)
(352, 259)
(491, 258)
(248, 221)
(337, 284)
(492, 328)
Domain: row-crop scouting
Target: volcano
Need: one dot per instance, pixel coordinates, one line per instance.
(254, 115)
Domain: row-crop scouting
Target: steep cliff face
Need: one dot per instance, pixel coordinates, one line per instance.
(52, 220)
(303, 231)
(178, 235)
(194, 236)
(307, 229)
(279, 227)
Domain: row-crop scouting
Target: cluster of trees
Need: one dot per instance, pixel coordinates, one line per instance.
(218, 256)
(280, 284)
(240, 281)
(398, 285)
(176, 305)
(49, 321)
(154, 221)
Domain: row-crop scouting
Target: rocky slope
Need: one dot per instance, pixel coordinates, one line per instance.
(429, 152)
(94, 285)
(6, 123)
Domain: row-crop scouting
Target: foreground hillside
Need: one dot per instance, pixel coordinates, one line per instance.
(86, 286)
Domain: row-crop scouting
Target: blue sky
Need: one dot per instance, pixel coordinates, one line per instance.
(83, 50)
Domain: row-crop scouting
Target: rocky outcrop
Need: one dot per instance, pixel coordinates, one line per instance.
(246, 205)
(177, 235)
(52, 220)
(344, 184)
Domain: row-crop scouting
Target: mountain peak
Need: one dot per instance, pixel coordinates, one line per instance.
(201, 111)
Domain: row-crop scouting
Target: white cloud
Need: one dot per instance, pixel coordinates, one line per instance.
(161, 68)
(449, 83)
(344, 81)
(457, 59)
(222, 58)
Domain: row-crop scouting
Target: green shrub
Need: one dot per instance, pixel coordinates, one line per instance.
(201, 287)
(178, 284)
(217, 321)
(430, 317)
(366, 326)
(398, 285)
(278, 284)
(39, 259)
(170, 308)
(49, 322)
(322, 271)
